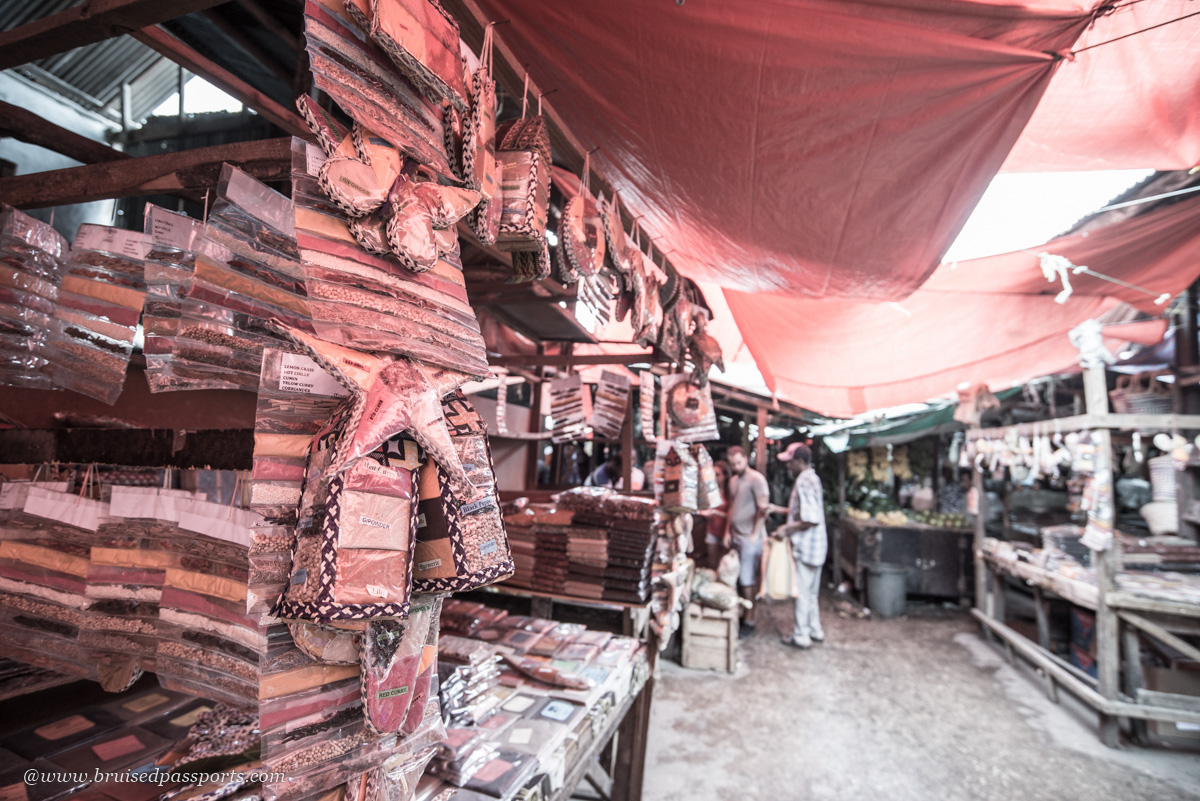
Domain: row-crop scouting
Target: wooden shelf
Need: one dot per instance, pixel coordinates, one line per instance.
(1085, 422)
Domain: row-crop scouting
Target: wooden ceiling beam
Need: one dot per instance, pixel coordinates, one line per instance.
(164, 43)
(23, 124)
(169, 173)
(91, 22)
(569, 360)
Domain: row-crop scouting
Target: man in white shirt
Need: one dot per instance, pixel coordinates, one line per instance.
(805, 528)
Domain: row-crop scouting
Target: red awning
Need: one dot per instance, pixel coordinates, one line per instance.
(1129, 104)
(993, 320)
(812, 147)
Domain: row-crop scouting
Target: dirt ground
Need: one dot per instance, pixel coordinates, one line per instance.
(917, 708)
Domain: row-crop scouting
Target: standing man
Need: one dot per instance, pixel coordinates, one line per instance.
(749, 499)
(805, 528)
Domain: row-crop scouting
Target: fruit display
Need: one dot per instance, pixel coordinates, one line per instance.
(894, 518)
(857, 514)
(856, 465)
(940, 519)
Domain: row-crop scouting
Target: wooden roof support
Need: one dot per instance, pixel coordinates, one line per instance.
(265, 159)
(23, 124)
(566, 359)
(159, 40)
(91, 22)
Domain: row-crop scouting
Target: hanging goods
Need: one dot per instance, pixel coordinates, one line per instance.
(523, 148)
(461, 543)
(480, 166)
(422, 40)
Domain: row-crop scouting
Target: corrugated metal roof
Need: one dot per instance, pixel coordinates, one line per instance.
(97, 70)
(94, 74)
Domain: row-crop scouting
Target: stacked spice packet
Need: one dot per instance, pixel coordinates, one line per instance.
(31, 254)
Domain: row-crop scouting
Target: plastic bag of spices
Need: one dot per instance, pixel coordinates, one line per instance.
(393, 656)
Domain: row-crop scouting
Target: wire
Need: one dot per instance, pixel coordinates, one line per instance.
(1135, 33)
(1147, 199)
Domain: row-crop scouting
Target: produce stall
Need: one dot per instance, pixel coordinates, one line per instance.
(938, 557)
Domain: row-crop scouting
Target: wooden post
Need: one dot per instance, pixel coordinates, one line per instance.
(1043, 617)
(1095, 390)
(1107, 564)
(980, 533)
(1134, 680)
(535, 446)
(630, 768)
(836, 531)
(628, 454)
(760, 446)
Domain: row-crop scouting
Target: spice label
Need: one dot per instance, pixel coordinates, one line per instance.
(520, 736)
(314, 157)
(172, 229)
(375, 591)
(114, 749)
(430, 565)
(300, 576)
(145, 702)
(519, 704)
(476, 507)
(110, 240)
(488, 548)
(64, 728)
(189, 718)
(391, 693)
(557, 710)
(300, 374)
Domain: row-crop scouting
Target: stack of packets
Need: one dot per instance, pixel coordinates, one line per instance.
(368, 299)
(591, 543)
(31, 254)
(558, 685)
(96, 318)
(246, 274)
(570, 408)
(45, 542)
(349, 65)
(99, 751)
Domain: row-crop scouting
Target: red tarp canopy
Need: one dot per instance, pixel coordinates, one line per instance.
(814, 147)
(1129, 104)
(992, 320)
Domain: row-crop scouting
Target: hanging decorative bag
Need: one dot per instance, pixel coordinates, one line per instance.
(581, 228)
(352, 559)
(523, 148)
(395, 653)
(614, 234)
(422, 40)
(480, 165)
(530, 265)
(460, 544)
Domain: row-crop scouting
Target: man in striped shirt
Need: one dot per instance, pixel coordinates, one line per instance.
(805, 528)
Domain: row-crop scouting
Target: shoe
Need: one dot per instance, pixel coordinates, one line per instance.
(794, 643)
(819, 637)
(745, 630)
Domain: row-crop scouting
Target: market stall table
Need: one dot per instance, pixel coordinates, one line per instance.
(938, 559)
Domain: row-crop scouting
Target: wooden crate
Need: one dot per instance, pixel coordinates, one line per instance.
(710, 638)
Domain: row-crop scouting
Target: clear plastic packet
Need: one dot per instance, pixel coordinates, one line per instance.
(254, 220)
(399, 775)
(18, 227)
(327, 644)
(393, 653)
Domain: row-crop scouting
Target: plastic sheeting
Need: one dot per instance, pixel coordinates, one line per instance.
(992, 320)
(811, 147)
(1128, 104)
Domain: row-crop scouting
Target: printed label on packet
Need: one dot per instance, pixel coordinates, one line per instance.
(421, 520)
(64, 728)
(488, 548)
(300, 576)
(110, 240)
(366, 521)
(300, 374)
(475, 507)
(122, 746)
(171, 228)
(314, 157)
(391, 693)
(375, 591)
(430, 565)
(145, 702)
(189, 718)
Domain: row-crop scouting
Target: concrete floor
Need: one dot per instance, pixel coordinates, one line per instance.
(911, 709)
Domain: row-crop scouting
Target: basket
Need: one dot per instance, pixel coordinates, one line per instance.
(1162, 517)
(1162, 478)
(1141, 394)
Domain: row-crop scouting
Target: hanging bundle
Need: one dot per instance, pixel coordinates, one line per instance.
(422, 41)
(523, 149)
(480, 167)
(614, 235)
